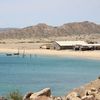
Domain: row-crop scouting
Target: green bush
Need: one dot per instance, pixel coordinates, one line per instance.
(15, 95)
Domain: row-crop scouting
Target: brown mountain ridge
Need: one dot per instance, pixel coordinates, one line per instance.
(46, 31)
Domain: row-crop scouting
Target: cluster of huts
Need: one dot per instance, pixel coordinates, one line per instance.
(73, 45)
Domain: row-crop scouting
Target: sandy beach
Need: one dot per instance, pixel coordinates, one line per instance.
(33, 48)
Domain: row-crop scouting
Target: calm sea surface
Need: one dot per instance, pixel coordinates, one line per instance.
(33, 73)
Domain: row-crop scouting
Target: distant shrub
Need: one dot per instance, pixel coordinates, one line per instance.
(2, 42)
(15, 95)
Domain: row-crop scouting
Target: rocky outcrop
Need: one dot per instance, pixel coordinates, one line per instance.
(27, 96)
(73, 96)
(89, 91)
(44, 94)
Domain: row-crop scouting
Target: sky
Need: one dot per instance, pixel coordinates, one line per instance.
(23, 13)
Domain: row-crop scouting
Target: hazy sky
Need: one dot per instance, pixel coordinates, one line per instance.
(21, 13)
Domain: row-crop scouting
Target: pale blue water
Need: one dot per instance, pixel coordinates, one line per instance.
(35, 73)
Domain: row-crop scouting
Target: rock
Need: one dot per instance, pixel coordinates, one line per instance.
(73, 96)
(44, 94)
(98, 90)
(93, 92)
(93, 89)
(27, 96)
(89, 97)
(41, 98)
(97, 96)
(58, 98)
(63, 98)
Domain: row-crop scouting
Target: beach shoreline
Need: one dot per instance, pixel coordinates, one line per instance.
(95, 55)
(34, 49)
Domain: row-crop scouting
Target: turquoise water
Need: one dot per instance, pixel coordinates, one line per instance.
(37, 72)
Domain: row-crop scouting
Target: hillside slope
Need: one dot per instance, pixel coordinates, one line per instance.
(45, 31)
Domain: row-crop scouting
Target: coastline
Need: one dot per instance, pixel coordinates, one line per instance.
(95, 55)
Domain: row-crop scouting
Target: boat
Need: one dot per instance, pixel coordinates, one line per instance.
(17, 53)
(8, 54)
(23, 55)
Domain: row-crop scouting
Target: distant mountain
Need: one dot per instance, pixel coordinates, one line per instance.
(45, 31)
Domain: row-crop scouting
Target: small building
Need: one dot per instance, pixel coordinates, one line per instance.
(62, 45)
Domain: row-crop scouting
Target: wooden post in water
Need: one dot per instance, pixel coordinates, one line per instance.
(23, 55)
(30, 56)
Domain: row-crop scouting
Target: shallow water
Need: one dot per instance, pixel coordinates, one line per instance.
(35, 72)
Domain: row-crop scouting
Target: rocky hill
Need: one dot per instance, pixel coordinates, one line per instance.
(45, 31)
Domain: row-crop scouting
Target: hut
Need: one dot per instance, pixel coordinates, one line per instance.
(62, 45)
